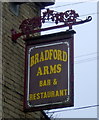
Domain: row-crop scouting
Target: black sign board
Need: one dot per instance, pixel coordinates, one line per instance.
(49, 72)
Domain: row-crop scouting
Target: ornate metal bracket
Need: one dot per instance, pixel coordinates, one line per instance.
(33, 25)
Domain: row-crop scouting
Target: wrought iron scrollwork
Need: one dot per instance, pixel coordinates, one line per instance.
(33, 25)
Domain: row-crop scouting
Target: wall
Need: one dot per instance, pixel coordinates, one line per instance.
(13, 62)
(0, 60)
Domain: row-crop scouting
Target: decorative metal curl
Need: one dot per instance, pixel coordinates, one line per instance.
(33, 25)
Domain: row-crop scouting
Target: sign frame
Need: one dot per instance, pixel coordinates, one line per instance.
(67, 38)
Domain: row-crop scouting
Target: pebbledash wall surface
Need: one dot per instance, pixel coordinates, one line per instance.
(12, 58)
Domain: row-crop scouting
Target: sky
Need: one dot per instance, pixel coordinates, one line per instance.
(85, 59)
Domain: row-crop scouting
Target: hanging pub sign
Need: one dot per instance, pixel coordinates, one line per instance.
(49, 72)
(49, 60)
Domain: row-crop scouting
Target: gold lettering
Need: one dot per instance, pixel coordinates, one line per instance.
(61, 93)
(34, 96)
(59, 68)
(48, 94)
(39, 71)
(45, 95)
(31, 97)
(41, 95)
(48, 82)
(65, 56)
(40, 83)
(36, 58)
(32, 61)
(60, 55)
(38, 96)
(52, 93)
(41, 56)
(55, 82)
(46, 54)
(52, 69)
(50, 54)
(65, 90)
(46, 71)
(55, 54)
(45, 83)
(57, 93)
